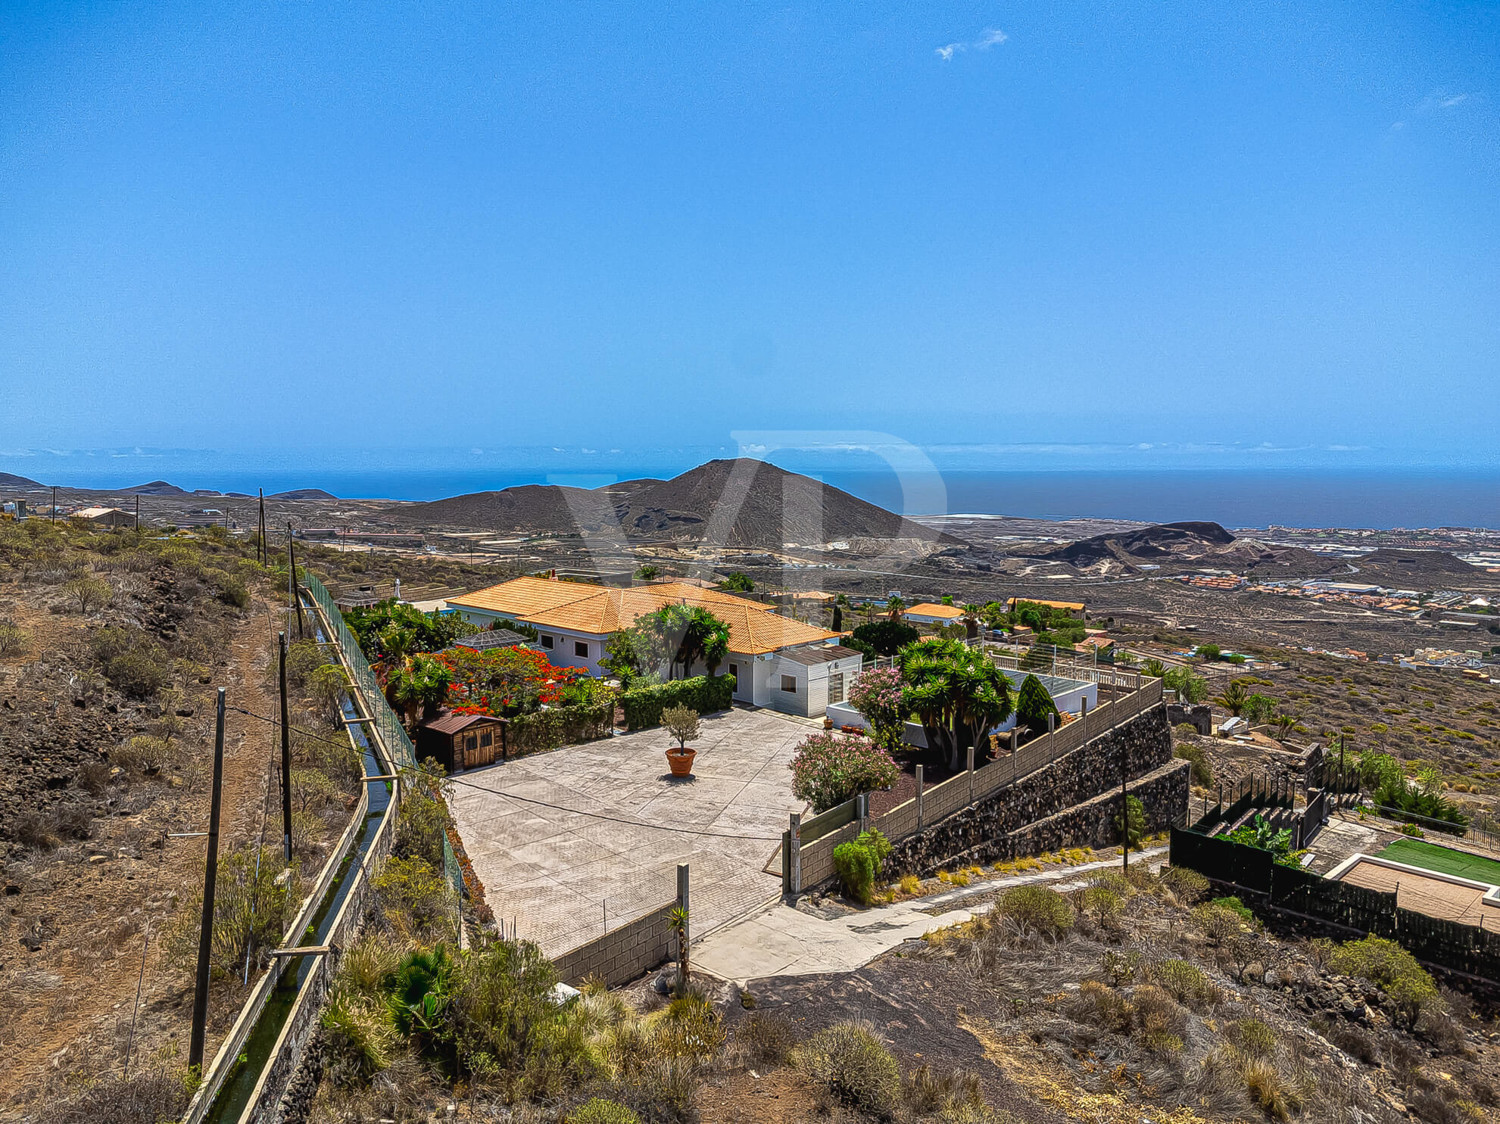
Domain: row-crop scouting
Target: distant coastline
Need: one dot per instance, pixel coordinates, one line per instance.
(1240, 498)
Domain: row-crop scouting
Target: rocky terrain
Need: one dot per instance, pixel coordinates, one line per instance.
(111, 649)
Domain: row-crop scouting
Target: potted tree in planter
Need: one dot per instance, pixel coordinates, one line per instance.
(682, 723)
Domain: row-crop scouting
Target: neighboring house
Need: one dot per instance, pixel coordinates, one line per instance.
(106, 516)
(768, 653)
(928, 613)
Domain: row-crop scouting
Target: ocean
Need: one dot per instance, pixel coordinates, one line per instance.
(1240, 498)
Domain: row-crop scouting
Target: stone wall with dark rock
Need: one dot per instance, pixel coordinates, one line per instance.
(1200, 718)
(1140, 749)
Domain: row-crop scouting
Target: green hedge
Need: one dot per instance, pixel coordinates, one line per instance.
(561, 725)
(705, 694)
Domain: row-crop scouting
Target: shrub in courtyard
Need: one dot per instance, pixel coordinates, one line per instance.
(681, 723)
(830, 768)
(858, 863)
(854, 1066)
(1038, 909)
(643, 706)
(877, 694)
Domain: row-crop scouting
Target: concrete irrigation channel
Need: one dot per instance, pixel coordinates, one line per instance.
(247, 1077)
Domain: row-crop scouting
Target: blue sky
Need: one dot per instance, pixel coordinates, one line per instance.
(1258, 226)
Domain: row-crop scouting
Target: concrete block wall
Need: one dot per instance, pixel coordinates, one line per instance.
(625, 953)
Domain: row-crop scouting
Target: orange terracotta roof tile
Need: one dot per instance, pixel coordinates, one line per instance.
(600, 610)
(929, 609)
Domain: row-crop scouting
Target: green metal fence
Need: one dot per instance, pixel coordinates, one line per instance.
(392, 732)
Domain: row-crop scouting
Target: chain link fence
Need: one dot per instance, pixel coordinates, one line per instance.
(392, 732)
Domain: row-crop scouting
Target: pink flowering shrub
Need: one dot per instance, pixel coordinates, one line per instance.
(832, 767)
(877, 694)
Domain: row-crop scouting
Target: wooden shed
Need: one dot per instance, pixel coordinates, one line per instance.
(462, 741)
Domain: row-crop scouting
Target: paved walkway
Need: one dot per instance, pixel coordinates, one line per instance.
(782, 941)
(560, 838)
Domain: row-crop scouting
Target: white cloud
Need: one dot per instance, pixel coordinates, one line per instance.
(1435, 102)
(989, 37)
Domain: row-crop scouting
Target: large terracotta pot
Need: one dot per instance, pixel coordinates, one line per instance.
(681, 761)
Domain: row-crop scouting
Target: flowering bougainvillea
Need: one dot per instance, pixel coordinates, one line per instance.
(877, 694)
(504, 681)
(833, 767)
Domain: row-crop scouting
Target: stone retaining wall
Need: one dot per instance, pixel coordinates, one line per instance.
(1005, 823)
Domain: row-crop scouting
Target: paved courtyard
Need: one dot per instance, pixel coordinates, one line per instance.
(561, 839)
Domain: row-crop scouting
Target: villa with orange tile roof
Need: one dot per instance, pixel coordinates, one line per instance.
(928, 612)
(776, 661)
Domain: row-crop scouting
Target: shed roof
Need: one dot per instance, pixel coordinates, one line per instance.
(822, 653)
(453, 723)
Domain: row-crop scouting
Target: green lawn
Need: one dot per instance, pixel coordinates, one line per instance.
(1413, 852)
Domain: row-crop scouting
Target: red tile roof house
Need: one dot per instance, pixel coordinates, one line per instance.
(777, 662)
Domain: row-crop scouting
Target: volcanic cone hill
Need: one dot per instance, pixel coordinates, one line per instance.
(744, 504)
(1194, 544)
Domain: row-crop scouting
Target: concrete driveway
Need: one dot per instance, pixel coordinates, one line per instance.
(563, 840)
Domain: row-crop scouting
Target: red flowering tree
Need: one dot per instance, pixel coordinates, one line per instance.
(503, 681)
(833, 767)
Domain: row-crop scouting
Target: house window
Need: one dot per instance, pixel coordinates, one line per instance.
(789, 683)
(836, 687)
(581, 648)
(546, 641)
(486, 739)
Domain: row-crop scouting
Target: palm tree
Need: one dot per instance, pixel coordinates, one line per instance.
(971, 620)
(1154, 669)
(1283, 720)
(958, 694)
(1233, 698)
(895, 606)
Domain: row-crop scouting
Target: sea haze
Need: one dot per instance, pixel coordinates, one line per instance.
(1237, 497)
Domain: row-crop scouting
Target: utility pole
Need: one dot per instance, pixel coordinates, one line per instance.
(210, 879)
(291, 565)
(54, 505)
(260, 544)
(138, 512)
(286, 763)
